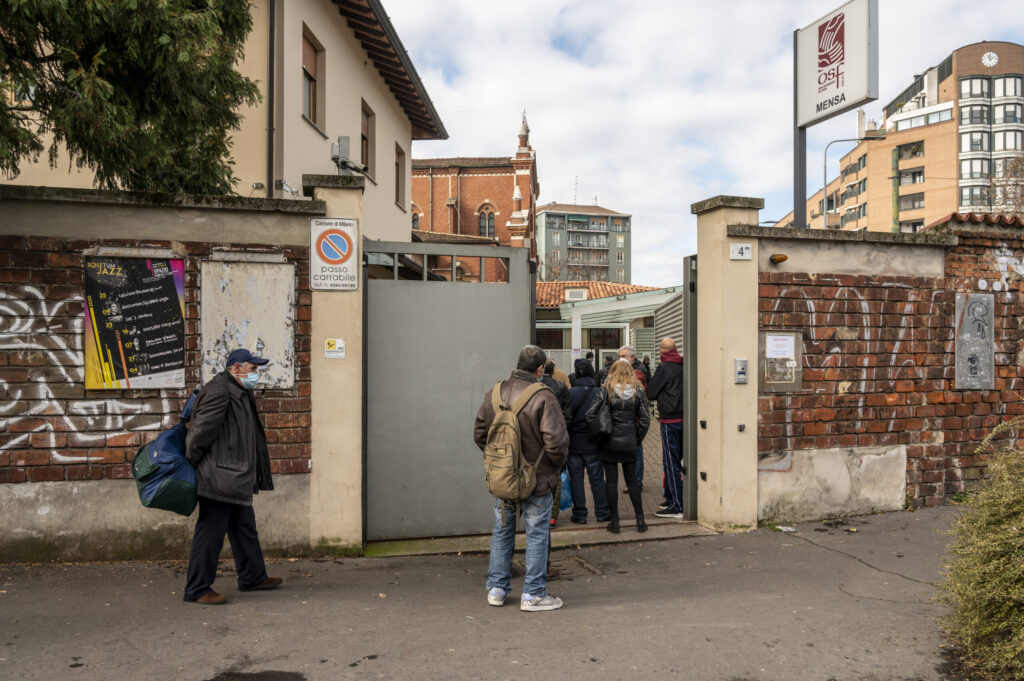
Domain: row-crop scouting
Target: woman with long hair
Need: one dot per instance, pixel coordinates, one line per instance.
(622, 407)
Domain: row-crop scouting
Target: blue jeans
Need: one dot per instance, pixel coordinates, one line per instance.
(672, 460)
(595, 473)
(536, 514)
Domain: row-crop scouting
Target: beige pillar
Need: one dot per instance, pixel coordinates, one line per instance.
(336, 484)
(727, 292)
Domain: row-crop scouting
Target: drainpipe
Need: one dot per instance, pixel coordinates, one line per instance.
(431, 171)
(272, 27)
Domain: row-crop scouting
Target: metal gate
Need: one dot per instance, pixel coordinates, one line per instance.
(444, 322)
(690, 387)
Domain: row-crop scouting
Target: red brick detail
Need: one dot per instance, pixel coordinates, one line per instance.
(53, 429)
(879, 357)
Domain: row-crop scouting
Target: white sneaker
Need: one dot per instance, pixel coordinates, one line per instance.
(496, 596)
(539, 603)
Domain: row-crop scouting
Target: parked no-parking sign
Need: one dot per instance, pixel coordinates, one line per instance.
(334, 254)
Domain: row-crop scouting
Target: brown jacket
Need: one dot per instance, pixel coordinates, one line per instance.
(541, 424)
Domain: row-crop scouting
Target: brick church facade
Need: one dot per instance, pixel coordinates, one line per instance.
(490, 197)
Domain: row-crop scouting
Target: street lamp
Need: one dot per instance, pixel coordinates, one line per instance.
(824, 186)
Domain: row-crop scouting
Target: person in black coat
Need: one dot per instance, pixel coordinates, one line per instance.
(583, 451)
(621, 410)
(228, 448)
(562, 395)
(667, 388)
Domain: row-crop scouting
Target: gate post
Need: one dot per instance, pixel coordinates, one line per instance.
(727, 322)
(336, 460)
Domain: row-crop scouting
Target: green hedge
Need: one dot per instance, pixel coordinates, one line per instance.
(985, 574)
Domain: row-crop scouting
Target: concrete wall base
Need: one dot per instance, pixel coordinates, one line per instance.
(814, 483)
(103, 520)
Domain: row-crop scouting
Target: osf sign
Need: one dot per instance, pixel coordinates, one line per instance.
(837, 62)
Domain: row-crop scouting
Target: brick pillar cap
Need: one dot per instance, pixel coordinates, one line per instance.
(721, 201)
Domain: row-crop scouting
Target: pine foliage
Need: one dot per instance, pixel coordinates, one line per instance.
(143, 92)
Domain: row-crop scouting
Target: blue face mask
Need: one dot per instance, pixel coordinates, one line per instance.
(249, 381)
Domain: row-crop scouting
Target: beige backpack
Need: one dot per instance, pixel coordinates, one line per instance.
(507, 473)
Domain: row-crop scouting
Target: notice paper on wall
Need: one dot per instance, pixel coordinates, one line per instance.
(779, 346)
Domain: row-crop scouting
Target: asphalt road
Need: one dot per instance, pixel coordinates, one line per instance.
(817, 604)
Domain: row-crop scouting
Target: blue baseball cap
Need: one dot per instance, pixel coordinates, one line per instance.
(242, 355)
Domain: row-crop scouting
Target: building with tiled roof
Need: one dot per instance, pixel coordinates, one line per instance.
(625, 321)
(583, 243)
(554, 293)
(481, 196)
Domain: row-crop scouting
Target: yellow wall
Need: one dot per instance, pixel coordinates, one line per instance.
(301, 148)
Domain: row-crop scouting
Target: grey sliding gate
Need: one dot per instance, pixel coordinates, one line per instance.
(443, 323)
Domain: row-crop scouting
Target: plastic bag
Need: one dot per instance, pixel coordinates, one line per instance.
(565, 502)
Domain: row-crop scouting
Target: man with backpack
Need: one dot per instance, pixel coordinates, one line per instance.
(521, 430)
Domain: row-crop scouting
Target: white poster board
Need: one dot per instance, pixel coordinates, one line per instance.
(837, 62)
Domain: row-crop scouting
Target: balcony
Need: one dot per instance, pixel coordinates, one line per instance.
(585, 227)
(603, 244)
(588, 263)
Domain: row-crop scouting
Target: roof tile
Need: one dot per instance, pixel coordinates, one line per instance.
(552, 293)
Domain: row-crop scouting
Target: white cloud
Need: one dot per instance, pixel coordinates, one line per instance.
(657, 104)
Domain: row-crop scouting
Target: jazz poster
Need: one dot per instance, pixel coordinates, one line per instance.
(134, 323)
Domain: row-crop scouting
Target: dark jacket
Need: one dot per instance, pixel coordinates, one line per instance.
(226, 443)
(581, 397)
(541, 425)
(561, 394)
(641, 372)
(602, 374)
(630, 420)
(667, 387)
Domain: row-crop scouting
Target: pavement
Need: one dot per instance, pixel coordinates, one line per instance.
(815, 604)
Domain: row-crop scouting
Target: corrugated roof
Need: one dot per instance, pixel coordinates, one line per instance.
(374, 31)
(463, 162)
(979, 219)
(552, 293)
(447, 238)
(579, 210)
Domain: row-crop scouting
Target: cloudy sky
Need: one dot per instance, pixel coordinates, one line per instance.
(656, 104)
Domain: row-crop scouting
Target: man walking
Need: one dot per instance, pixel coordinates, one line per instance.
(228, 448)
(667, 388)
(544, 441)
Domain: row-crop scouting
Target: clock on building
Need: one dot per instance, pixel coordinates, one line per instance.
(990, 59)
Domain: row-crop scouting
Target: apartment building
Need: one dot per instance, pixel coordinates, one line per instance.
(942, 147)
(326, 69)
(583, 243)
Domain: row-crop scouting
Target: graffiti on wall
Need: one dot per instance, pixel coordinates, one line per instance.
(44, 399)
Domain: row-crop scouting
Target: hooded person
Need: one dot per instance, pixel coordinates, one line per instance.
(583, 451)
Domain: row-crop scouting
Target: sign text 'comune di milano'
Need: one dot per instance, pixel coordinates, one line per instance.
(333, 254)
(837, 62)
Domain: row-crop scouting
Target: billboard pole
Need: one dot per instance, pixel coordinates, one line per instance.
(799, 151)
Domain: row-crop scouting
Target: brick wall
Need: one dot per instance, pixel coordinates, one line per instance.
(879, 363)
(52, 428)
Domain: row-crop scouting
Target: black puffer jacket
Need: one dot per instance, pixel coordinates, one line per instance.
(226, 443)
(630, 420)
(561, 394)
